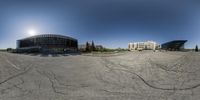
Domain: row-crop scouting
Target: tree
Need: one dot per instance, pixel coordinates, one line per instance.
(87, 48)
(196, 48)
(93, 47)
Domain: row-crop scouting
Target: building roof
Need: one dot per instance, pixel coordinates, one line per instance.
(175, 44)
(49, 35)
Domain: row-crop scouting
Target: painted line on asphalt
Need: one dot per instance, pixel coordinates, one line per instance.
(13, 65)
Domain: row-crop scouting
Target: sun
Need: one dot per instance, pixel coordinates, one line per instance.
(32, 32)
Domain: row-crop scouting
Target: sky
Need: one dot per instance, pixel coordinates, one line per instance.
(111, 23)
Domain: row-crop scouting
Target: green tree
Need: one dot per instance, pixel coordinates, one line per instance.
(93, 47)
(87, 47)
(196, 48)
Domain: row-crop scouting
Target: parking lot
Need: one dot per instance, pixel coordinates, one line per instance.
(145, 75)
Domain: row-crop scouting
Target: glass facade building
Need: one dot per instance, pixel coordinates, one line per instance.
(176, 45)
(47, 43)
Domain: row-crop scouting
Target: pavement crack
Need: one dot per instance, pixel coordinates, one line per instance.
(51, 77)
(15, 76)
(142, 79)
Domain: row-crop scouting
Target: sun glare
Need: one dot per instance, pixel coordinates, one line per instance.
(32, 32)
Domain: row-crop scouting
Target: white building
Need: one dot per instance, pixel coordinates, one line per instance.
(148, 45)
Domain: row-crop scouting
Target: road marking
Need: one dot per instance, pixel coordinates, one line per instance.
(13, 65)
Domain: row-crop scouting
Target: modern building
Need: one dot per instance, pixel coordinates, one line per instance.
(148, 45)
(47, 43)
(176, 45)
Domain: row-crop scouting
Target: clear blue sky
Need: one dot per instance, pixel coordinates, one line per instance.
(112, 23)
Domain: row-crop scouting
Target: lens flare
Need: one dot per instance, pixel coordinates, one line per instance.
(32, 32)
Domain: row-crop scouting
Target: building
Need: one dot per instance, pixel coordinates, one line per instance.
(47, 43)
(82, 47)
(176, 45)
(98, 47)
(148, 45)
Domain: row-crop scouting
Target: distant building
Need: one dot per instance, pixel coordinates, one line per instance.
(148, 45)
(99, 47)
(82, 47)
(176, 45)
(47, 43)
